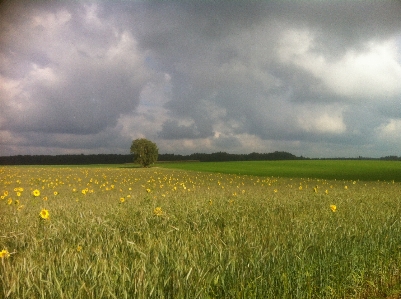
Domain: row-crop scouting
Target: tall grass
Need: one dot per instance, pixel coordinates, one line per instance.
(218, 236)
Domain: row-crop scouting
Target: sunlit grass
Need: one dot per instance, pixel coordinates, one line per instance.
(156, 233)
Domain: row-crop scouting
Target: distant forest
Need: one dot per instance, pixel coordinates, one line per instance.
(121, 159)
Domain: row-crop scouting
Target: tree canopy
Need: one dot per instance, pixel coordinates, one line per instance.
(145, 152)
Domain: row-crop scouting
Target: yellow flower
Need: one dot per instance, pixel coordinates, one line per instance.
(158, 211)
(55, 193)
(17, 202)
(44, 214)
(4, 253)
(148, 190)
(36, 193)
(327, 191)
(122, 199)
(18, 193)
(333, 208)
(5, 193)
(45, 198)
(20, 189)
(345, 187)
(84, 191)
(10, 201)
(79, 248)
(20, 207)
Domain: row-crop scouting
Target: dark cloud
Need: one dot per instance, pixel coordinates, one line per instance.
(303, 76)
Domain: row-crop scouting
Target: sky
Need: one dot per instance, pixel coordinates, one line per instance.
(314, 78)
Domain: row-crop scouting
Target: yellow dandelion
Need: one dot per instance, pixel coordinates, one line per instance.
(4, 253)
(10, 201)
(17, 202)
(44, 214)
(300, 188)
(333, 208)
(36, 193)
(148, 190)
(79, 248)
(122, 199)
(84, 191)
(55, 193)
(18, 193)
(45, 198)
(20, 189)
(5, 193)
(345, 187)
(158, 211)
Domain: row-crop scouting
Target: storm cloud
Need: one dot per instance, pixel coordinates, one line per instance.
(314, 78)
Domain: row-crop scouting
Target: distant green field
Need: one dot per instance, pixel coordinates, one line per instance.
(323, 169)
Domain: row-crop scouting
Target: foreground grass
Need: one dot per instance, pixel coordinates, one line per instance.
(214, 236)
(365, 170)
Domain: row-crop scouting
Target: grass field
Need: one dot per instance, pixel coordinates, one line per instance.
(365, 170)
(117, 232)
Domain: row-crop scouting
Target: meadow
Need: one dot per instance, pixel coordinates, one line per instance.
(365, 170)
(118, 232)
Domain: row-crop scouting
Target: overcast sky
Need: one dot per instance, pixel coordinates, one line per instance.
(313, 78)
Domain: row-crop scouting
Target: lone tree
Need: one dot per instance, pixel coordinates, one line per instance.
(145, 152)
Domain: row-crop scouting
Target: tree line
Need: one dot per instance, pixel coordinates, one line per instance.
(121, 159)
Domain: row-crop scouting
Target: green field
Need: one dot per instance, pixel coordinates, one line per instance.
(123, 232)
(365, 170)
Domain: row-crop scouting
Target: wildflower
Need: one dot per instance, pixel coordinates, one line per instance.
(44, 214)
(79, 248)
(5, 193)
(346, 187)
(17, 202)
(327, 191)
(20, 207)
(45, 198)
(36, 193)
(20, 189)
(315, 190)
(300, 188)
(10, 201)
(84, 191)
(158, 211)
(55, 193)
(148, 190)
(122, 199)
(333, 208)
(18, 193)
(4, 253)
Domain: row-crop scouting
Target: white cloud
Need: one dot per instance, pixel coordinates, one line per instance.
(390, 131)
(369, 73)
